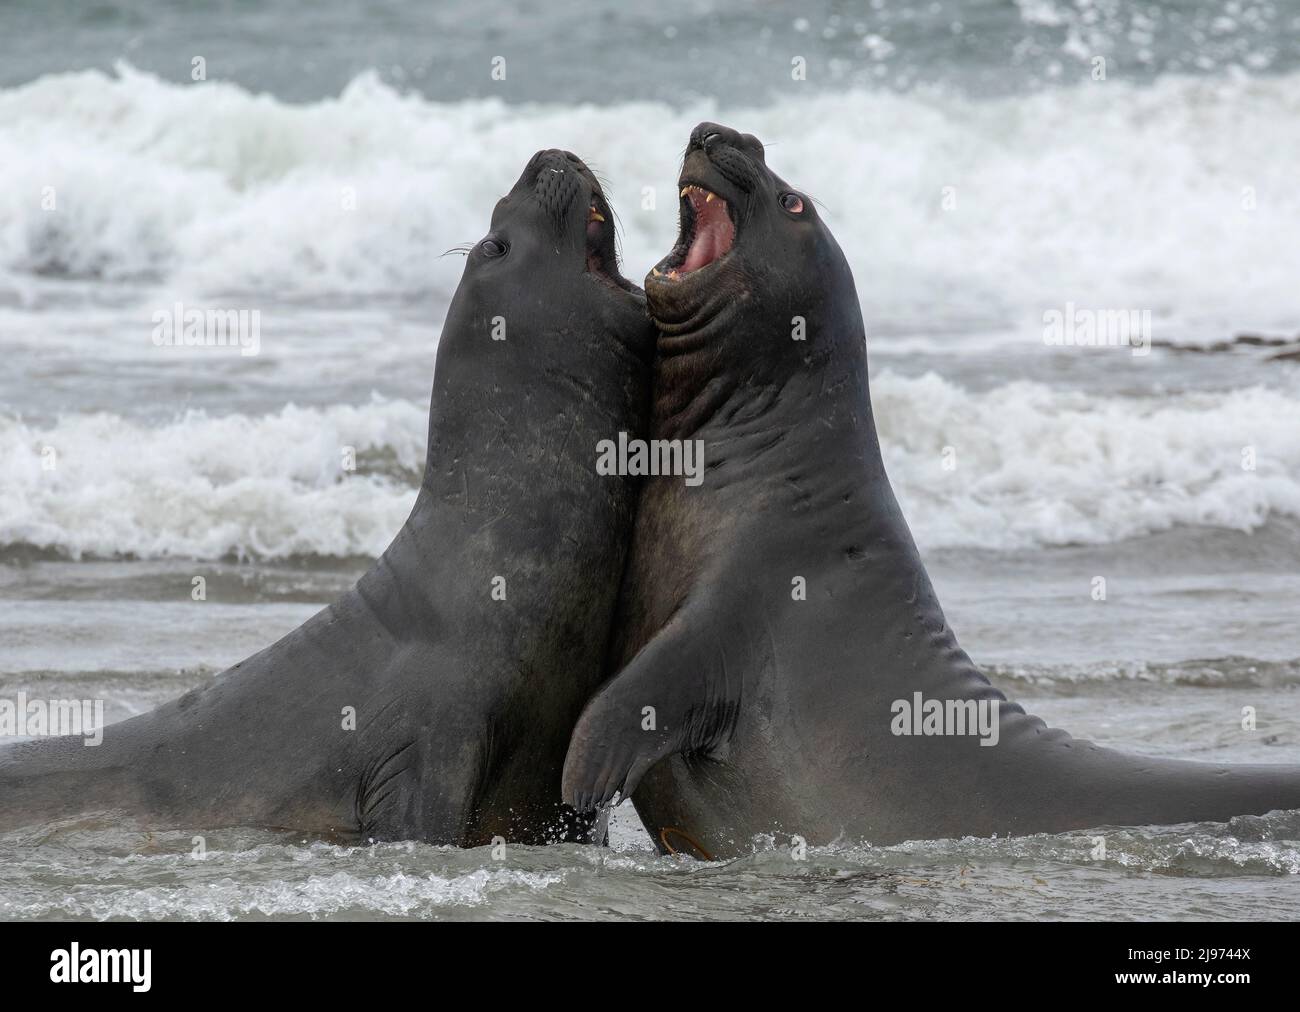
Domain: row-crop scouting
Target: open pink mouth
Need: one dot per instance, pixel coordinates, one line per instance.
(707, 233)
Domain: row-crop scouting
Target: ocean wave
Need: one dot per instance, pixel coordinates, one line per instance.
(1025, 464)
(1019, 466)
(269, 486)
(1104, 193)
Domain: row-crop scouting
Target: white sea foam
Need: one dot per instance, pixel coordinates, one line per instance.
(268, 486)
(1033, 466)
(1105, 193)
(398, 894)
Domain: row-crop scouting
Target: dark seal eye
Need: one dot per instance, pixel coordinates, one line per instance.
(492, 248)
(792, 202)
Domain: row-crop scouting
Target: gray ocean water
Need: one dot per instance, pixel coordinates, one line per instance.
(978, 173)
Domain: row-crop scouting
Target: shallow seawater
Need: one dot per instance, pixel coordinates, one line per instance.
(1242, 870)
(1197, 625)
(1165, 672)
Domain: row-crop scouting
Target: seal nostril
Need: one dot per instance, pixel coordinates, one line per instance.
(708, 138)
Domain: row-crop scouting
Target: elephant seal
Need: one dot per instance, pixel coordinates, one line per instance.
(468, 650)
(776, 624)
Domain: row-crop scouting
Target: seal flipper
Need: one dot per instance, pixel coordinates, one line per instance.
(673, 696)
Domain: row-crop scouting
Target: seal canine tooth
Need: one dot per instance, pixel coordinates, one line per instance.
(817, 596)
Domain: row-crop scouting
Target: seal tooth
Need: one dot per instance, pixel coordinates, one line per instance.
(708, 196)
(596, 215)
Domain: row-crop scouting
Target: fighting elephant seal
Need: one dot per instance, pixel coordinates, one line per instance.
(775, 618)
(470, 647)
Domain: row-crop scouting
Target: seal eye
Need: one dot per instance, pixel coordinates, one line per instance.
(792, 202)
(492, 248)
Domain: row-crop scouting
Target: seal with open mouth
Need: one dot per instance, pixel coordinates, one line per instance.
(785, 665)
(435, 700)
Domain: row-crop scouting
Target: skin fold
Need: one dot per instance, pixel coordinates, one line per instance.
(463, 701)
(741, 708)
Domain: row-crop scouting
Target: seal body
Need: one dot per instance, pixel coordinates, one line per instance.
(435, 700)
(781, 650)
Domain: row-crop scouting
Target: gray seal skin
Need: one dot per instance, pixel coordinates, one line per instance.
(464, 704)
(738, 709)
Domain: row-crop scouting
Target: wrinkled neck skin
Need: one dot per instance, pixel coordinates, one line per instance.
(793, 469)
(767, 407)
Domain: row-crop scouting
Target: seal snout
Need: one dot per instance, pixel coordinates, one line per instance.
(561, 176)
(709, 137)
(738, 158)
(572, 197)
(556, 183)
